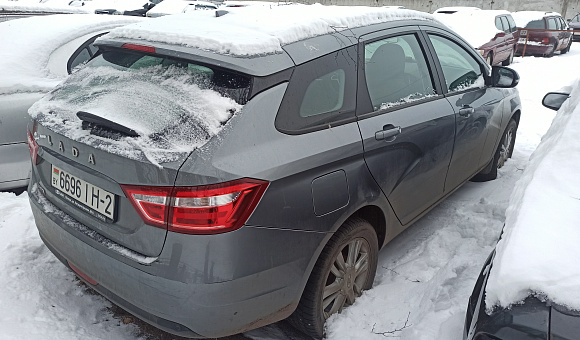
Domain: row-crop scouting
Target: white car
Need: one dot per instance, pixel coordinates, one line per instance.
(38, 53)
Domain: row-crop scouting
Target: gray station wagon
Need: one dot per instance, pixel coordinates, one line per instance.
(212, 184)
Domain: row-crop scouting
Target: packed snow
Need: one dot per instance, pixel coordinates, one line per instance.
(522, 18)
(27, 46)
(424, 276)
(540, 242)
(257, 30)
(53, 6)
(477, 27)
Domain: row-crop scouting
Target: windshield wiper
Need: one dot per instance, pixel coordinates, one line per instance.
(103, 127)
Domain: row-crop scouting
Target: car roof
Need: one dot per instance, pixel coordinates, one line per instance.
(27, 44)
(245, 35)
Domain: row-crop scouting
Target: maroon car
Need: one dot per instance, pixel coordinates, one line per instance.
(496, 35)
(542, 33)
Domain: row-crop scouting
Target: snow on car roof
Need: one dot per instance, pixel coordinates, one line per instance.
(477, 27)
(258, 30)
(28, 43)
(522, 18)
(538, 250)
(46, 7)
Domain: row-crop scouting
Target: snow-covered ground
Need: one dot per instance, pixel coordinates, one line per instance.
(423, 280)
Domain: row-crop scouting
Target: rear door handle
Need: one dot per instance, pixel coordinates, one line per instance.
(388, 133)
(466, 111)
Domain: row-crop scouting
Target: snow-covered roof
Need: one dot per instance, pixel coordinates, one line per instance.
(522, 18)
(28, 43)
(454, 9)
(166, 7)
(51, 6)
(539, 248)
(477, 27)
(258, 30)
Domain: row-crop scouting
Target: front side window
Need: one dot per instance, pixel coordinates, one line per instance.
(513, 26)
(576, 18)
(552, 24)
(498, 24)
(506, 24)
(396, 71)
(460, 69)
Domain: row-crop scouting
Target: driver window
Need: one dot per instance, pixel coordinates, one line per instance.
(396, 72)
(460, 69)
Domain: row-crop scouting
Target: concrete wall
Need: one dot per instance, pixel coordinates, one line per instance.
(568, 8)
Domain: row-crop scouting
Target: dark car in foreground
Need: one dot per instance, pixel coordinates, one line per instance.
(215, 188)
(574, 24)
(528, 286)
(542, 33)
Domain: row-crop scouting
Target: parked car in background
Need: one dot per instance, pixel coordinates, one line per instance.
(542, 33)
(529, 286)
(33, 62)
(150, 182)
(168, 7)
(492, 33)
(574, 24)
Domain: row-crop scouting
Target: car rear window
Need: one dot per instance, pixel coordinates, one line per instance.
(536, 24)
(229, 84)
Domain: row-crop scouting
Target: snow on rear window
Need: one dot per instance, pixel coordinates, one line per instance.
(175, 107)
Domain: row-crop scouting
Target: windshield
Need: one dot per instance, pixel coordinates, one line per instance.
(538, 24)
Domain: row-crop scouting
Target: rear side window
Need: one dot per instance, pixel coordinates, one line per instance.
(558, 24)
(536, 24)
(320, 93)
(460, 69)
(396, 72)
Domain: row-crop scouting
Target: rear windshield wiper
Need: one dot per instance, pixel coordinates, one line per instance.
(103, 127)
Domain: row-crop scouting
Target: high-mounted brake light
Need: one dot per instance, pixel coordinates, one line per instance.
(142, 48)
(208, 209)
(32, 144)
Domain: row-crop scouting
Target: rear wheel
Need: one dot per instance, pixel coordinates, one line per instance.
(346, 267)
(510, 59)
(551, 53)
(504, 151)
(567, 49)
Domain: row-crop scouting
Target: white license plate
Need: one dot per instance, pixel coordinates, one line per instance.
(81, 191)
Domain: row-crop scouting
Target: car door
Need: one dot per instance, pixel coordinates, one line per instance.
(406, 124)
(478, 108)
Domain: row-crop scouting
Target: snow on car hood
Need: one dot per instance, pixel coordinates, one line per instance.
(257, 30)
(172, 115)
(28, 43)
(538, 250)
(477, 27)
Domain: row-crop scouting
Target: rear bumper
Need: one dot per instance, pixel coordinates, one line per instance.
(538, 50)
(200, 286)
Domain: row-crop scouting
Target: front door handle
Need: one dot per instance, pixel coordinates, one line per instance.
(466, 111)
(388, 133)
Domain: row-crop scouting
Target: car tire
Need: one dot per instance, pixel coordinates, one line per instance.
(503, 152)
(510, 59)
(354, 245)
(489, 58)
(567, 49)
(551, 53)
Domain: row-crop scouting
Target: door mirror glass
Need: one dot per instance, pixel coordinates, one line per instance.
(504, 77)
(554, 100)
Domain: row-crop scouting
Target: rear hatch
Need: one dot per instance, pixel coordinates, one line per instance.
(127, 122)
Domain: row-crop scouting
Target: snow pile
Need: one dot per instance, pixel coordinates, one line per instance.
(257, 30)
(40, 297)
(477, 27)
(28, 43)
(166, 7)
(170, 112)
(522, 18)
(540, 243)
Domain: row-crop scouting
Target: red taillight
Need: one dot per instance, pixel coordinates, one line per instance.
(209, 209)
(545, 41)
(32, 145)
(142, 48)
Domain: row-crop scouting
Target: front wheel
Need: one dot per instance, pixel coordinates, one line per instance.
(510, 59)
(346, 267)
(504, 151)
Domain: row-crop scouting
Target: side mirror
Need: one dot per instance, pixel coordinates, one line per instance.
(568, 20)
(504, 77)
(554, 100)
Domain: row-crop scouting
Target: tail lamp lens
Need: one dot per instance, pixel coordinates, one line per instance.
(546, 41)
(209, 209)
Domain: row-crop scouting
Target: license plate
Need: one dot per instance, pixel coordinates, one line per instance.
(524, 32)
(90, 198)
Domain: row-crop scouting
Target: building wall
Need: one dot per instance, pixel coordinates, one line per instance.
(568, 8)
